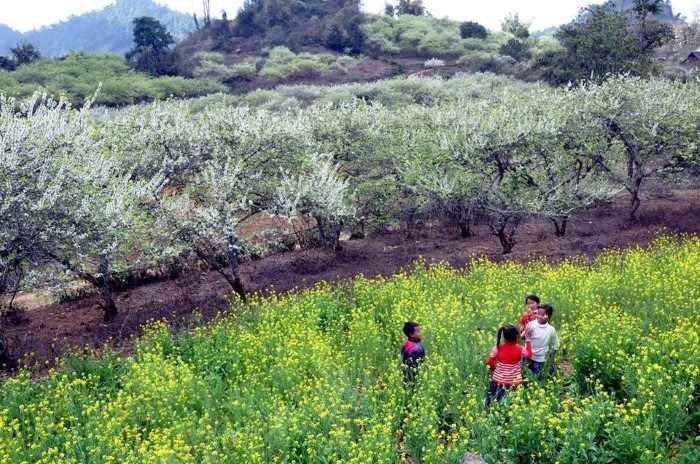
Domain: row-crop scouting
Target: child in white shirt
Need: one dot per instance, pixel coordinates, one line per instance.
(542, 335)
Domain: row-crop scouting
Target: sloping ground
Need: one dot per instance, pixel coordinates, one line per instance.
(40, 335)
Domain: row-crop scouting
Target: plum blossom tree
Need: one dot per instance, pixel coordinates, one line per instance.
(63, 199)
(206, 216)
(317, 190)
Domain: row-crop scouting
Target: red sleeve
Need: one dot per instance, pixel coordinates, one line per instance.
(491, 360)
(527, 350)
(523, 319)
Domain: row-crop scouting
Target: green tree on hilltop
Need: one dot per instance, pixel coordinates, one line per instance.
(150, 54)
(601, 41)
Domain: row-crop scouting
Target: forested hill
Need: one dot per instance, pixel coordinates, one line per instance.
(9, 38)
(108, 29)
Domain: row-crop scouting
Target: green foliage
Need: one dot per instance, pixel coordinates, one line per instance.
(25, 53)
(516, 49)
(150, 54)
(480, 61)
(604, 41)
(342, 31)
(512, 25)
(409, 7)
(472, 29)
(77, 77)
(223, 34)
(212, 66)
(7, 64)
(149, 32)
(249, 20)
(282, 62)
(408, 33)
(293, 24)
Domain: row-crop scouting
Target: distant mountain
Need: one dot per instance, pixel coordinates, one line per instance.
(106, 30)
(9, 38)
(544, 32)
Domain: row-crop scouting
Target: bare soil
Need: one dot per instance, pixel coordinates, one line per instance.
(41, 333)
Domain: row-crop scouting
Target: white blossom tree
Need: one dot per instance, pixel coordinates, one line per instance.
(654, 121)
(63, 197)
(207, 213)
(317, 190)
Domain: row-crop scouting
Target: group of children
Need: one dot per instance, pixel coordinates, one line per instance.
(506, 359)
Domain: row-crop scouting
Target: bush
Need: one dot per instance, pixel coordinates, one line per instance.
(516, 49)
(471, 29)
(282, 63)
(407, 33)
(343, 32)
(479, 61)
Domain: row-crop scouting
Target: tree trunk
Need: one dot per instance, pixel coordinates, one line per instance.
(321, 229)
(559, 225)
(232, 273)
(465, 229)
(336, 228)
(505, 229)
(634, 188)
(108, 304)
(507, 242)
(635, 167)
(236, 282)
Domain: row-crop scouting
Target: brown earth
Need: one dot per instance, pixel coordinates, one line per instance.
(39, 335)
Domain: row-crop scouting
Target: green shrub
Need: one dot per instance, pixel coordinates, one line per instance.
(471, 29)
(282, 63)
(516, 49)
(407, 33)
(479, 61)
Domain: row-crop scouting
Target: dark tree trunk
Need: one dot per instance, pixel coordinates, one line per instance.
(634, 188)
(504, 228)
(559, 225)
(635, 167)
(329, 237)
(232, 272)
(321, 229)
(465, 229)
(108, 304)
(465, 220)
(236, 282)
(101, 282)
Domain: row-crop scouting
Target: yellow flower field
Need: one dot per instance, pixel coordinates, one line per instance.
(315, 376)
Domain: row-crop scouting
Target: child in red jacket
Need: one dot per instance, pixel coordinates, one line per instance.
(505, 362)
(532, 303)
(412, 351)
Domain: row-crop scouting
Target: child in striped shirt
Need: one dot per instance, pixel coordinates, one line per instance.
(504, 361)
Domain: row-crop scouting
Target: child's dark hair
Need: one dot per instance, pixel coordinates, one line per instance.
(510, 334)
(409, 327)
(548, 309)
(534, 298)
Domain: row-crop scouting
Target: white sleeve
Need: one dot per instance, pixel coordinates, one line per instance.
(555, 338)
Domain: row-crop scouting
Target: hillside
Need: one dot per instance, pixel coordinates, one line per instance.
(106, 30)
